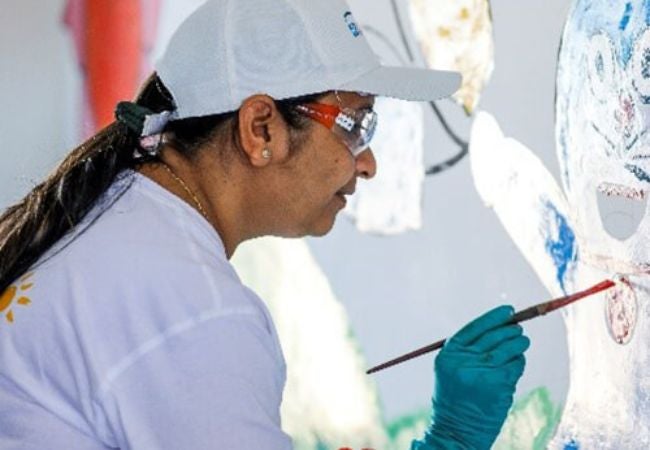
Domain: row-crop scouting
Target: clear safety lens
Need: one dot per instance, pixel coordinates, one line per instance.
(356, 129)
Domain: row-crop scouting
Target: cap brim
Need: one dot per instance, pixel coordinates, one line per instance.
(406, 83)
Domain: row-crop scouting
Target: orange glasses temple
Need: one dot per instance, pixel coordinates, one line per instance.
(320, 112)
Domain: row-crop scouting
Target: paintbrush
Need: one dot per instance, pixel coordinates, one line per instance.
(521, 316)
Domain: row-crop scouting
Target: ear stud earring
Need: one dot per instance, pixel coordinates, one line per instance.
(266, 153)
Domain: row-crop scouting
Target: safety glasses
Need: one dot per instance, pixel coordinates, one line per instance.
(354, 127)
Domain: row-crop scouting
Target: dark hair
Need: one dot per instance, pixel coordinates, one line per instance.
(59, 203)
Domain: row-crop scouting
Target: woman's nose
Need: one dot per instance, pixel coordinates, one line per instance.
(366, 164)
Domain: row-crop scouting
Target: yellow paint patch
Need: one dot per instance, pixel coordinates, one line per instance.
(444, 32)
(9, 296)
(464, 14)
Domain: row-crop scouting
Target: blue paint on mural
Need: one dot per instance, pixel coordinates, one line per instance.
(638, 172)
(625, 21)
(626, 37)
(561, 248)
(573, 445)
(627, 46)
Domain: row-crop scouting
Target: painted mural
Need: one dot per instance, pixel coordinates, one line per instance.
(595, 226)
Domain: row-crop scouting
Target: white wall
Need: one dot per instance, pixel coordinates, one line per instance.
(400, 292)
(39, 93)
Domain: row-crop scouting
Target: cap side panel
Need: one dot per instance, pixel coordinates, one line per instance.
(263, 60)
(331, 25)
(185, 66)
(318, 50)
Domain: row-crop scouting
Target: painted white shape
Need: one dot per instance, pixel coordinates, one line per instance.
(513, 181)
(457, 36)
(391, 203)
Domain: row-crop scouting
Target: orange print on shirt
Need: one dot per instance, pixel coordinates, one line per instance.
(15, 295)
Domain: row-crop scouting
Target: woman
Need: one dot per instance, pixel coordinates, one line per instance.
(126, 326)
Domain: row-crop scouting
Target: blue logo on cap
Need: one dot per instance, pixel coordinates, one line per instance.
(352, 25)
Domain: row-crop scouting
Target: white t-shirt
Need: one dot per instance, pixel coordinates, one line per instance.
(138, 334)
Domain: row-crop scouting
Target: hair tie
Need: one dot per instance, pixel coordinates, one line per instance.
(146, 124)
(132, 115)
(141, 120)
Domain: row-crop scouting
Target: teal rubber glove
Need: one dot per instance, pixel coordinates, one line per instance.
(476, 375)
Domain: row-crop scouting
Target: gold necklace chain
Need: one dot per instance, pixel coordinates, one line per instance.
(186, 188)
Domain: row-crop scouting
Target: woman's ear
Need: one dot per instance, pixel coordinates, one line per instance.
(263, 133)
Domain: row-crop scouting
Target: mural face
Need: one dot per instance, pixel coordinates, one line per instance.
(598, 226)
(603, 112)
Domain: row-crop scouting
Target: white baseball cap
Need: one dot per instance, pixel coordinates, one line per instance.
(228, 50)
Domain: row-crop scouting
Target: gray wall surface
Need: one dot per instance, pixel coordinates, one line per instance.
(401, 292)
